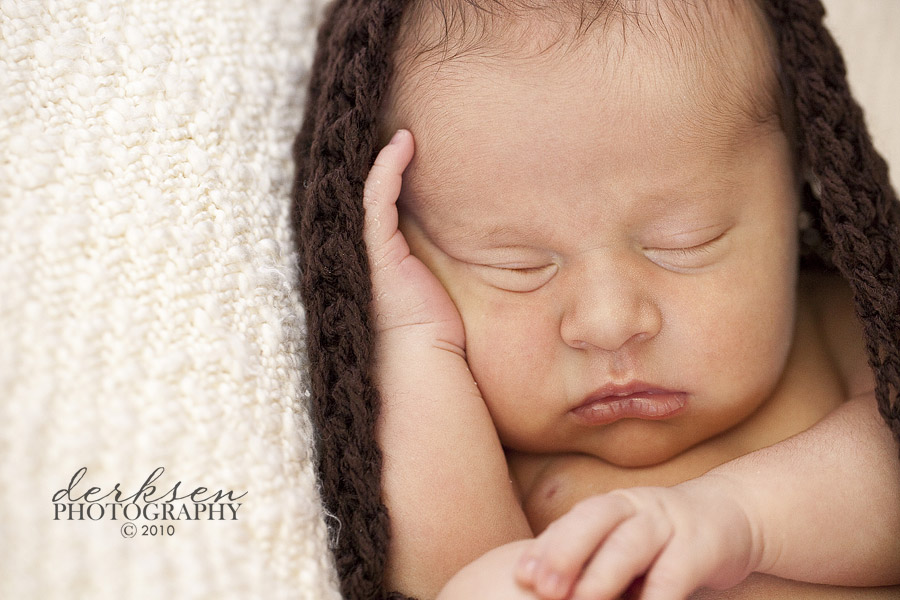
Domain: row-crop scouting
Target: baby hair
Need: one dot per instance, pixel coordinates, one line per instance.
(850, 200)
(434, 34)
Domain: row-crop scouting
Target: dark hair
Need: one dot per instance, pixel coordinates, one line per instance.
(855, 207)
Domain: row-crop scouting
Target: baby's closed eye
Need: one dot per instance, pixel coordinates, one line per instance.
(517, 277)
(685, 258)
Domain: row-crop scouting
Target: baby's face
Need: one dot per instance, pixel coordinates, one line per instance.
(624, 263)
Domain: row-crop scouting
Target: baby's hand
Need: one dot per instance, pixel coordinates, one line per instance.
(680, 538)
(444, 477)
(409, 303)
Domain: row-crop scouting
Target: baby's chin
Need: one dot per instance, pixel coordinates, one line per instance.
(627, 444)
(643, 457)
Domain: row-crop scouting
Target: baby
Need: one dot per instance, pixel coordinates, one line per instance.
(584, 250)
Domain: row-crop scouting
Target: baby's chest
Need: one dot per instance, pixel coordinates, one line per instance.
(551, 485)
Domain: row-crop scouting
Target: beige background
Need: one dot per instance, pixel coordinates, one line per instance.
(869, 33)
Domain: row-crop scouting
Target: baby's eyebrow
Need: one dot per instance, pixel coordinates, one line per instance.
(497, 236)
(434, 206)
(700, 190)
(504, 231)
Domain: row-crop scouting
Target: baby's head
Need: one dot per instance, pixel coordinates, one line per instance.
(557, 180)
(608, 193)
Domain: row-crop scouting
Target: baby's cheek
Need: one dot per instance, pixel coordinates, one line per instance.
(508, 345)
(746, 335)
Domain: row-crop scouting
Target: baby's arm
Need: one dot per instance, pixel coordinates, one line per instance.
(819, 507)
(445, 480)
(826, 500)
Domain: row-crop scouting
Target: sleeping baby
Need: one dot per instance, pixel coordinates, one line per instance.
(603, 369)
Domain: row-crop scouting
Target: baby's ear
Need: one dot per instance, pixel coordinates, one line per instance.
(811, 179)
(812, 242)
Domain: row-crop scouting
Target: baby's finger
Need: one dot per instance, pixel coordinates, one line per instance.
(558, 555)
(675, 574)
(407, 297)
(627, 553)
(380, 194)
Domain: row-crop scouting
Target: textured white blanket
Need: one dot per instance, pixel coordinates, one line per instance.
(147, 308)
(147, 312)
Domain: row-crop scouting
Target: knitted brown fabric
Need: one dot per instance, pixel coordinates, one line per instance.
(858, 216)
(333, 152)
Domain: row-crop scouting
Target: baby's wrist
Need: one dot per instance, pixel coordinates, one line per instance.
(422, 365)
(417, 343)
(746, 484)
(747, 530)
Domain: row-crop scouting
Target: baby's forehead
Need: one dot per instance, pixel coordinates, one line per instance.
(726, 46)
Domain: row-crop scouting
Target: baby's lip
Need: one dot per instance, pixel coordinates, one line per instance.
(631, 400)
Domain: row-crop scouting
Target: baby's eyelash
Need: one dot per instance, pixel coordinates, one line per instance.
(513, 278)
(691, 250)
(695, 250)
(524, 270)
(687, 258)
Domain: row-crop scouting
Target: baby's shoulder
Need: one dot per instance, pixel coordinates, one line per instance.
(829, 299)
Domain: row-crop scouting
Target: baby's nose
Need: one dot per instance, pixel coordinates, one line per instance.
(608, 311)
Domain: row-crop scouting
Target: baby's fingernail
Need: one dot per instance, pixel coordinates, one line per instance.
(396, 137)
(528, 568)
(551, 586)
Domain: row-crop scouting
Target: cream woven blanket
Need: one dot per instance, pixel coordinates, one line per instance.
(147, 309)
(148, 316)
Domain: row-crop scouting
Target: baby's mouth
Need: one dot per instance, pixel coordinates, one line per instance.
(633, 400)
